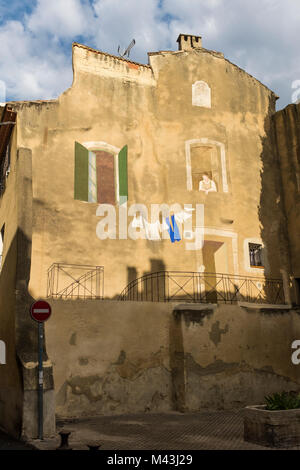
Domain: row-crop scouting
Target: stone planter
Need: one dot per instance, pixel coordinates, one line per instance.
(272, 428)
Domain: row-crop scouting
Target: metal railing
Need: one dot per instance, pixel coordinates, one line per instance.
(75, 281)
(169, 286)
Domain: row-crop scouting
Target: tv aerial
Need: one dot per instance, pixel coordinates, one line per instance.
(126, 51)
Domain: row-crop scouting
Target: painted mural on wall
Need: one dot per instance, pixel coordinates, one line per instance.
(171, 222)
(100, 176)
(206, 165)
(207, 184)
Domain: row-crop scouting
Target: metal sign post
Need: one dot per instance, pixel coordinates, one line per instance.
(40, 311)
(41, 379)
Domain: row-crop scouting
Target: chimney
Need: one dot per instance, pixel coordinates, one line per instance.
(187, 42)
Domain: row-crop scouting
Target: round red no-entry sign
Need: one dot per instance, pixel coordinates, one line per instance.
(40, 310)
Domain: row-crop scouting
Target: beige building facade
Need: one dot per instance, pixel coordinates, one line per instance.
(172, 182)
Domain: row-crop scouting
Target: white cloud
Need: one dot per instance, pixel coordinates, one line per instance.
(260, 36)
(33, 62)
(61, 18)
(119, 22)
(28, 67)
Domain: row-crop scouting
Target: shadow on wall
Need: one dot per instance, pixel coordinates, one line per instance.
(208, 287)
(272, 216)
(20, 333)
(10, 374)
(131, 274)
(156, 265)
(139, 289)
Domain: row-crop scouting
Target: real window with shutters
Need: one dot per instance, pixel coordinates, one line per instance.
(100, 174)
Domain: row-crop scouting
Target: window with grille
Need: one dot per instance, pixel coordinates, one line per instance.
(255, 254)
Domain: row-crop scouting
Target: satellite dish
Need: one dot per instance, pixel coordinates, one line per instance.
(127, 51)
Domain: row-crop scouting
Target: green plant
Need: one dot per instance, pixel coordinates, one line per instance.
(283, 401)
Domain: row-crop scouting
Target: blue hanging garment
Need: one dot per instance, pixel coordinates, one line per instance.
(174, 232)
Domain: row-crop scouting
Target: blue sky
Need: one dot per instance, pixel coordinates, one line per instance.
(261, 36)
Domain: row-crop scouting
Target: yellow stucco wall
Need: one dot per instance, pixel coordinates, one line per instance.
(119, 356)
(10, 379)
(150, 109)
(116, 357)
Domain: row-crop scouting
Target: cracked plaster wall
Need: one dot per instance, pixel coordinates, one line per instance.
(113, 357)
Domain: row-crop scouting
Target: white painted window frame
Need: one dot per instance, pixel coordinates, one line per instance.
(247, 265)
(198, 98)
(99, 145)
(204, 142)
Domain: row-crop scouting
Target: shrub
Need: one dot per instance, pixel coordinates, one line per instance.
(283, 401)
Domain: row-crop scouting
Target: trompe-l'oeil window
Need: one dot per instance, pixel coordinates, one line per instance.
(100, 175)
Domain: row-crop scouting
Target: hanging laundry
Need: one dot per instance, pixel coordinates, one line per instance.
(152, 231)
(173, 229)
(182, 216)
(164, 225)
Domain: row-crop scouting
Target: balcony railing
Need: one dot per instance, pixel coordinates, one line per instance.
(75, 281)
(173, 286)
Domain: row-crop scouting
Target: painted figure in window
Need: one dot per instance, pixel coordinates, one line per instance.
(207, 184)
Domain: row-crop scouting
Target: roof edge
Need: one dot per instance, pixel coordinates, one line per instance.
(77, 44)
(217, 54)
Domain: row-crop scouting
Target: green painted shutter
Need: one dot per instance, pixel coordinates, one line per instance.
(92, 177)
(81, 174)
(123, 180)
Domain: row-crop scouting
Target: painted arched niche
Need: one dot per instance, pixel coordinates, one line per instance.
(201, 94)
(221, 160)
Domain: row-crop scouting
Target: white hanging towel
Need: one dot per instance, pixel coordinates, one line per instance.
(180, 217)
(164, 225)
(152, 231)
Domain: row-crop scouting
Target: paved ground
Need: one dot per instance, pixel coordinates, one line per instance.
(215, 430)
(8, 443)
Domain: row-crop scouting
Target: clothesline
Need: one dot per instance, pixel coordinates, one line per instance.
(152, 230)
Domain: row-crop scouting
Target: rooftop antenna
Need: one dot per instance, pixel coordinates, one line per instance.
(127, 51)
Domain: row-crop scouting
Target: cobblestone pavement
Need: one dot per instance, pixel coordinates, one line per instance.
(215, 430)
